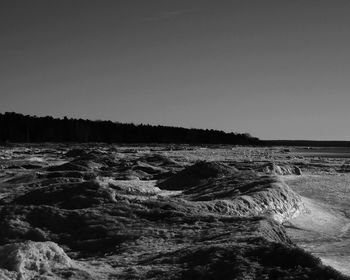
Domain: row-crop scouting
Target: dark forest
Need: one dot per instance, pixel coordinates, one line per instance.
(16, 127)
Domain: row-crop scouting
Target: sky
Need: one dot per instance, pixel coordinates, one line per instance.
(275, 69)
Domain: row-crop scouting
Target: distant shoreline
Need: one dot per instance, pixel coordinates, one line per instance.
(306, 143)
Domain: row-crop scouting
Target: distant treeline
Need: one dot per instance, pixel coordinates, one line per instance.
(23, 128)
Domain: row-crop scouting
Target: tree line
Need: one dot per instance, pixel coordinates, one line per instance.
(16, 127)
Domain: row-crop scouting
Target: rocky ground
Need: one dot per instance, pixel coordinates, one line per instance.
(171, 212)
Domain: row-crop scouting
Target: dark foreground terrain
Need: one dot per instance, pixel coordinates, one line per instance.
(166, 212)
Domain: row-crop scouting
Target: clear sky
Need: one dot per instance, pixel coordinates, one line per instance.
(276, 69)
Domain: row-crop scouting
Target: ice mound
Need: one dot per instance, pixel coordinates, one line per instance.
(76, 153)
(69, 196)
(159, 160)
(196, 174)
(29, 259)
(248, 194)
(275, 169)
(133, 186)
